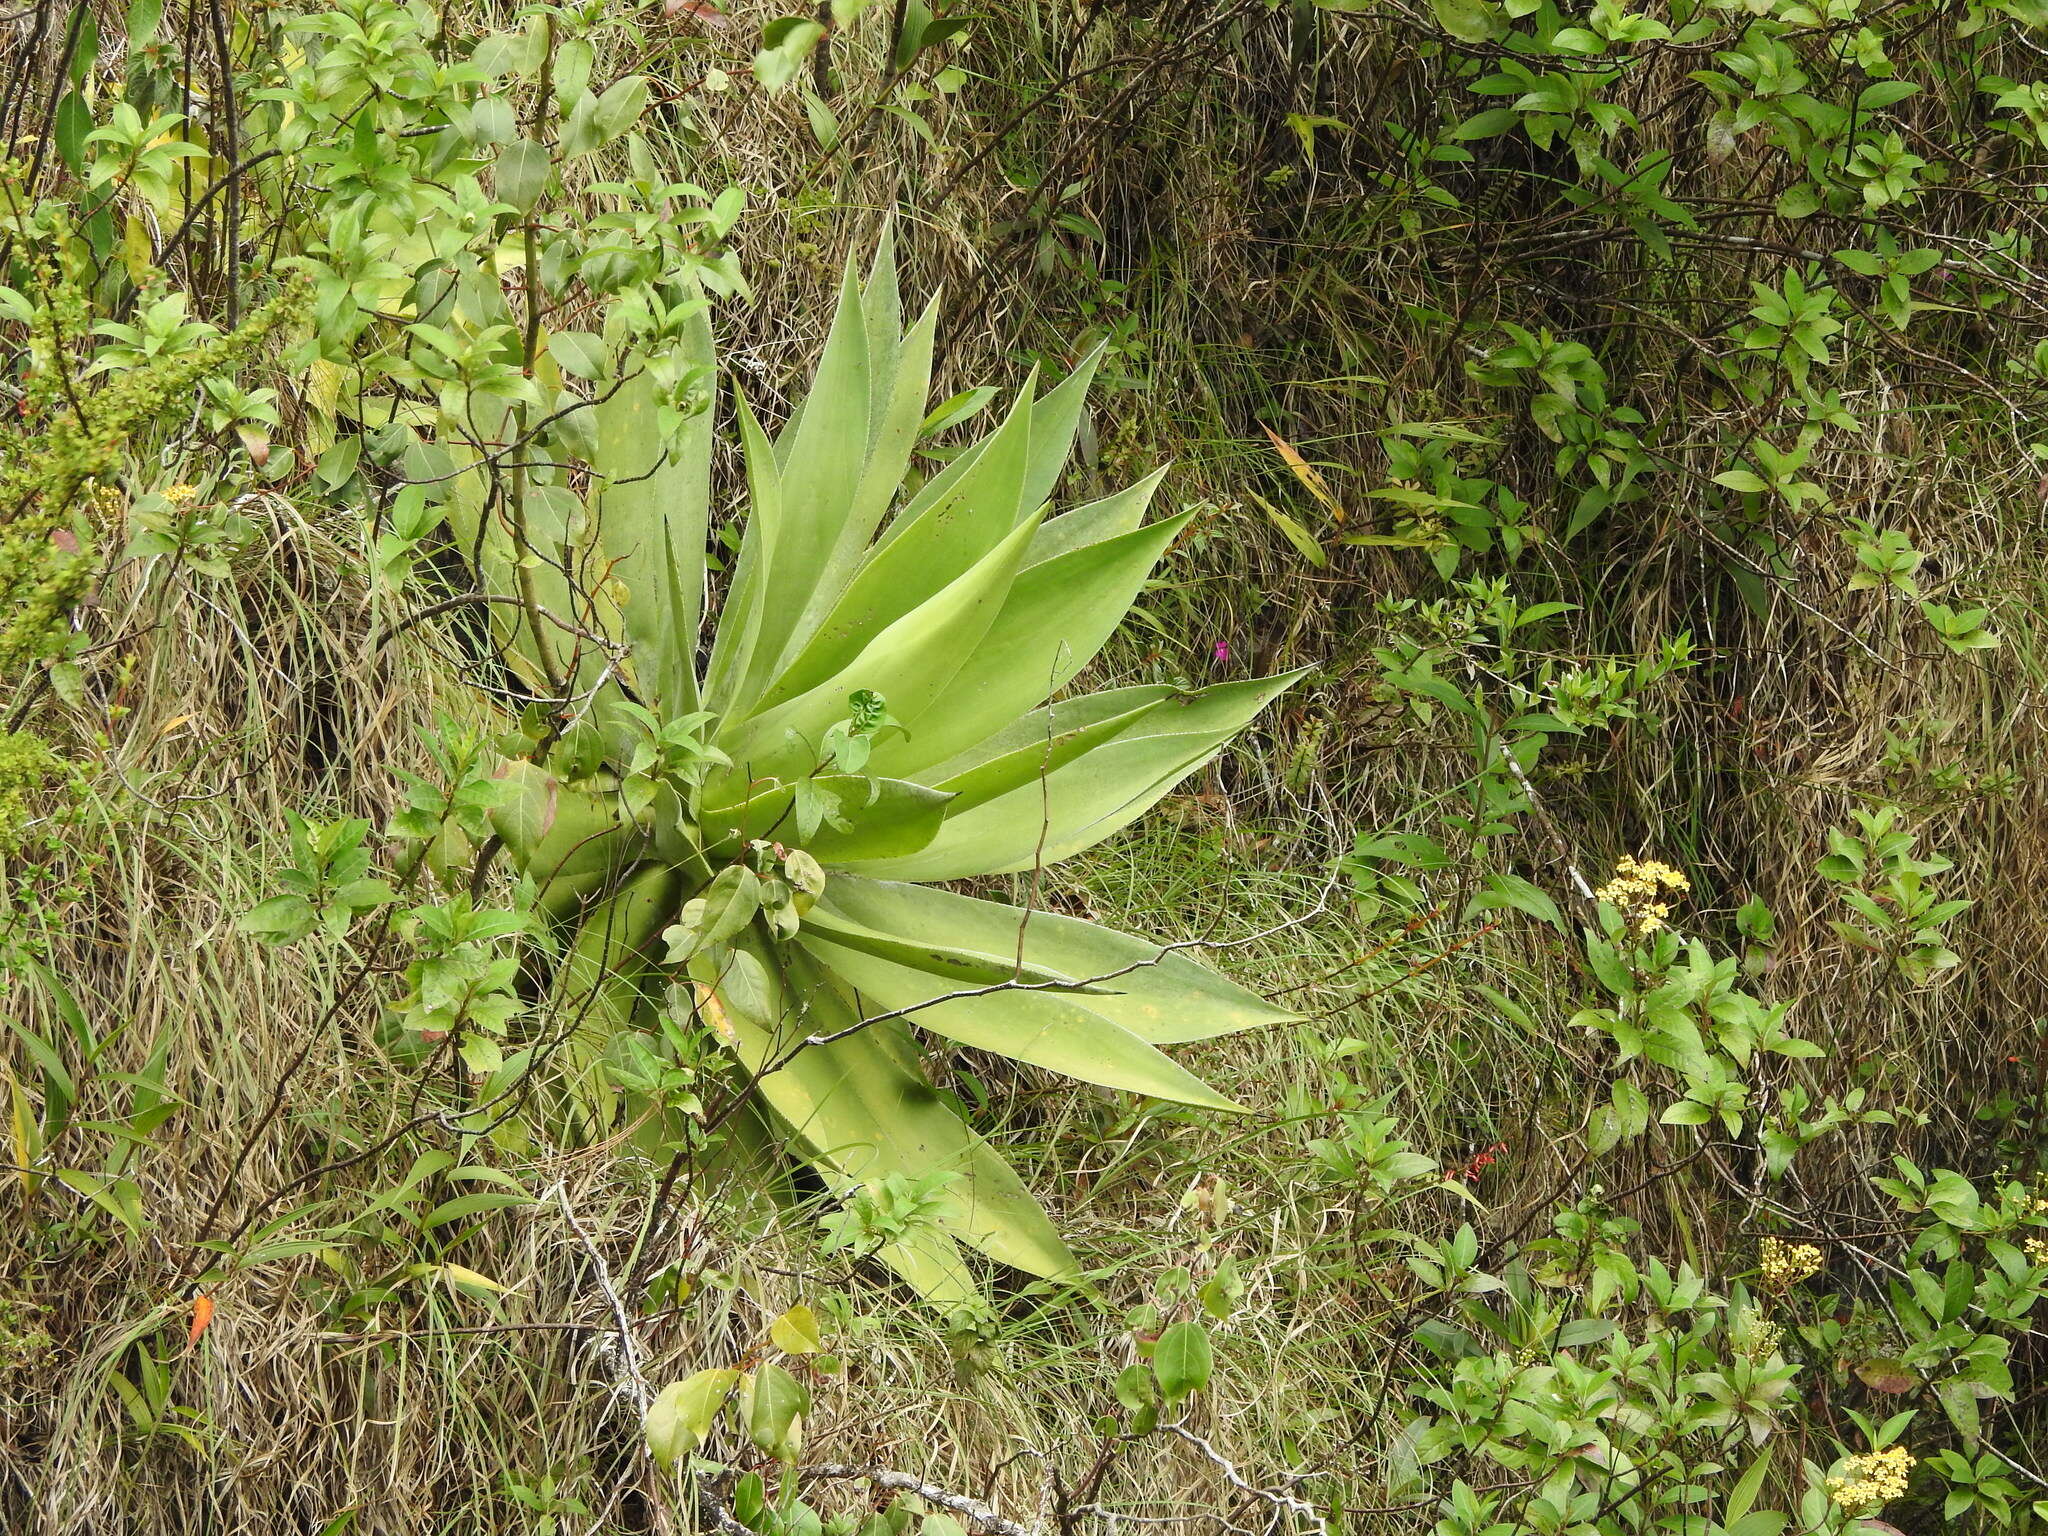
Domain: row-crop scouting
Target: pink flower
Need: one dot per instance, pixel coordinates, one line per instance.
(1222, 651)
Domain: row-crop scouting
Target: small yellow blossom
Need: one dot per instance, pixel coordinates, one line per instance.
(1638, 889)
(1784, 1265)
(178, 495)
(2037, 1250)
(1868, 1483)
(1764, 1336)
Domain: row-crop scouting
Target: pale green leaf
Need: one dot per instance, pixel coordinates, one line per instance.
(1163, 996)
(866, 1112)
(651, 508)
(1056, 617)
(909, 664)
(1096, 521)
(948, 963)
(1052, 1030)
(738, 659)
(1054, 421)
(1093, 796)
(795, 1332)
(825, 442)
(683, 1412)
(945, 541)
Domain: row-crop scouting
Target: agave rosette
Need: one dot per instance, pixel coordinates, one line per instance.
(869, 719)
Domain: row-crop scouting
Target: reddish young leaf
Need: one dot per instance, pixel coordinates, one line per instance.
(202, 1319)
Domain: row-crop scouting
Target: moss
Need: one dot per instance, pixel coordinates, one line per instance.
(26, 765)
(48, 552)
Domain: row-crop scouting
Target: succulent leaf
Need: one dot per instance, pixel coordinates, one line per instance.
(873, 711)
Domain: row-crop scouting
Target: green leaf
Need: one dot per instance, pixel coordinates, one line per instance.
(1008, 448)
(1517, 894)
(1055, 619)
(1135, 1388)
(726, 907)
(1470, 21)
(1742, 480)
(464, 1206)
(788, 44)
(866, 1111)
(1160, 996)
(1050, 739)
(1052, 1030)
(619, 108)
(73, 121)
(569, 841)
(1094, 796)
(941, 545)
(1798, 201)
(281, 919)
(683, 1412)
(522, 174)
(1055, 418)
(119, 1198)
(895, 414)
(818, 452)
(1687, 1112)
(144, 16)
(1182, 1360)
(1742, 1497)
(583, 354)
(776, 1403)
(1484, 125)
(888, 819)
(597, 984)
(909, 663)
(1880, 94)
(738, 654)
(795, 1332)
(961, 407)
(651, 509)
(966, 967)
(1303, 541)
(1094, 522)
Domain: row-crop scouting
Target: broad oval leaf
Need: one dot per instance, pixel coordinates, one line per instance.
(683, 1412)
(1182, 1360)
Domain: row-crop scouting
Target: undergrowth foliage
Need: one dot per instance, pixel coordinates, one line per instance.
(567, 895)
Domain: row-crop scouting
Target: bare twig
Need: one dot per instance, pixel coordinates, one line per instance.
(628, 1365)
(964, 1505)
(1277, 1497)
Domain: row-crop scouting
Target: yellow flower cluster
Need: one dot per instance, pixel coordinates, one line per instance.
(2036, 1247)
(1784, 1265)
(1638, 892)
(1870, 1482)
(1764, 1337)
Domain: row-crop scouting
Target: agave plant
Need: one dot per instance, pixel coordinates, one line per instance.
(757, 825)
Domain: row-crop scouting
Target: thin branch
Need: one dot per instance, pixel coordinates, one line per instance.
(627, 1361)
(964, 1505)
(1278, 1498)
